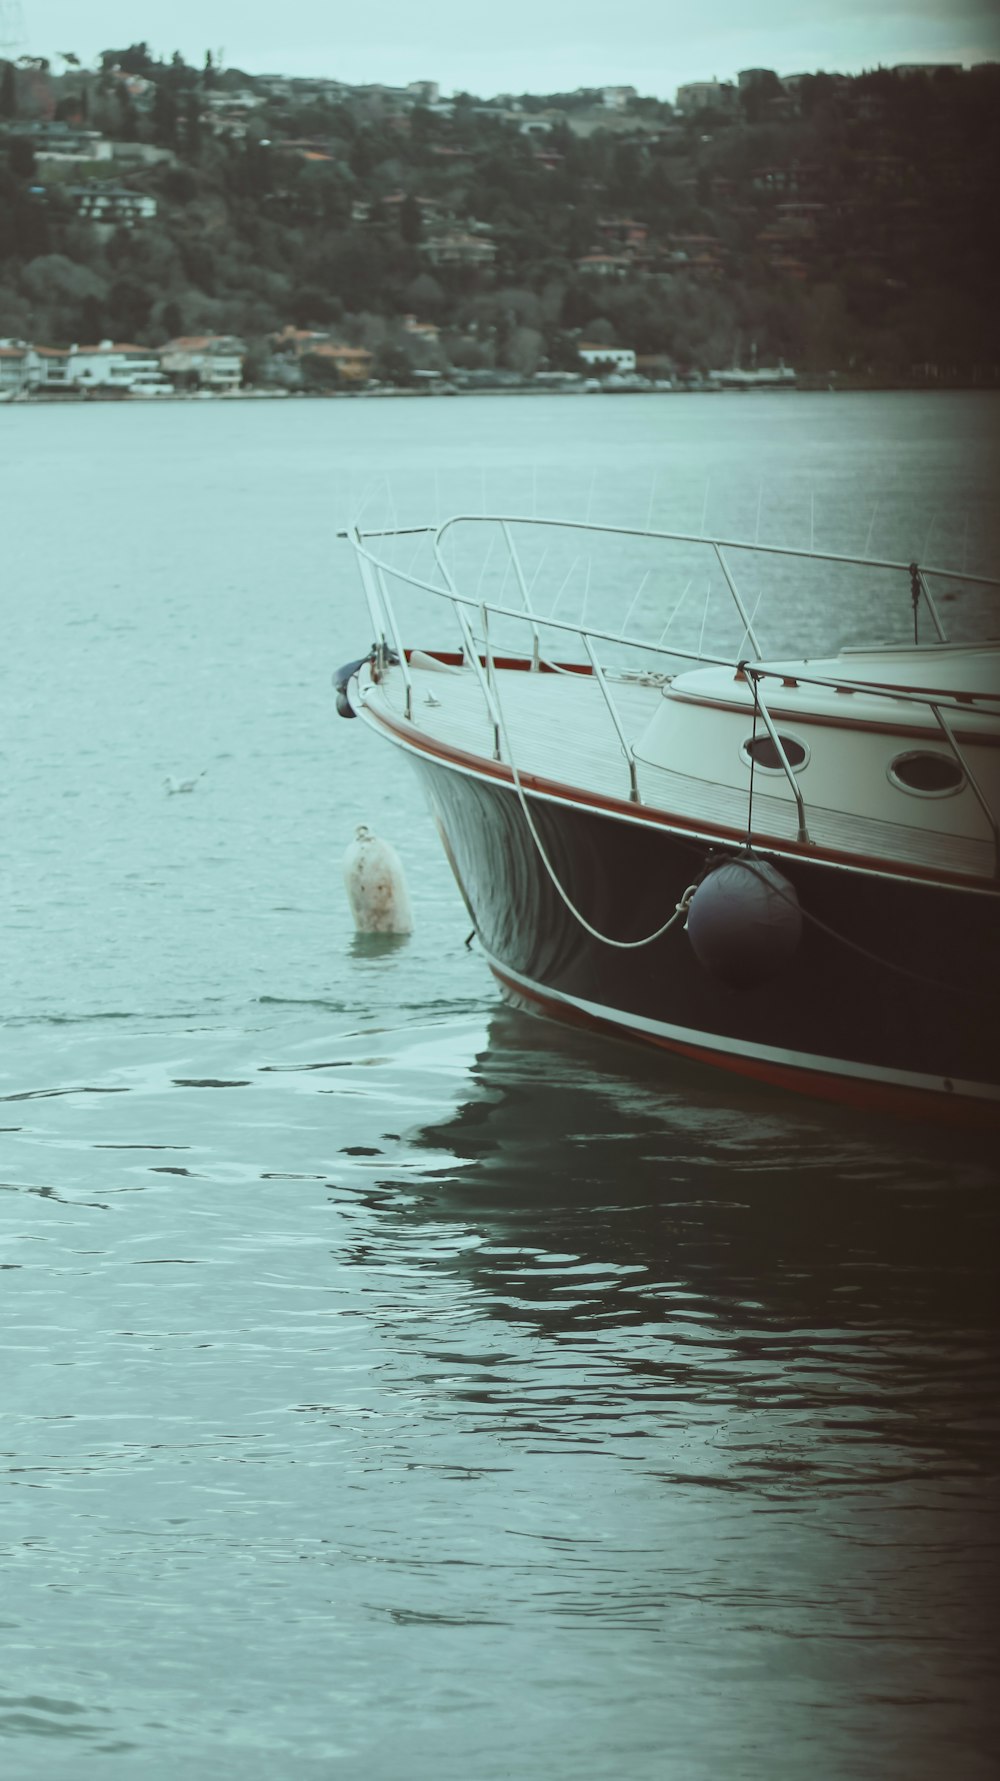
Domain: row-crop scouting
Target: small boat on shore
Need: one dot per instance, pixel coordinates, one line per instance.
(785, 864)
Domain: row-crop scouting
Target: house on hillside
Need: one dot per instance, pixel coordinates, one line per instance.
(49, 368)
(115, 206)
(707, 95)
(630, 237)
(697, 253)
(139, 154)
(392, 204)
(604, 265)
(292, 345)
(15, 357)
(620, 358)
(354, 363)
(88, 146)
(211, 361)
(618, 98)
(112, 368)
(116, 367)
(75, 148)
(455, 247)
(425, 331)
(54, 135)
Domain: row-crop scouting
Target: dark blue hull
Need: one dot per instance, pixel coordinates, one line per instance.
(891, 998)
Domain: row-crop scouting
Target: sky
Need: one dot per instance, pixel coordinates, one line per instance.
(519, 45)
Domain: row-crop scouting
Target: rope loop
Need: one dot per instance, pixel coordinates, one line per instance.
(680, 909)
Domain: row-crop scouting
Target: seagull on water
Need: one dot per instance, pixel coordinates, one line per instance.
(172, 785)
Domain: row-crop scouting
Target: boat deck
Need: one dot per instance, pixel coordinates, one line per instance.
(558, 728)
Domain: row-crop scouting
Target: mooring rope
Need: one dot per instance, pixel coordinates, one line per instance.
(748, 858)
(680, 909)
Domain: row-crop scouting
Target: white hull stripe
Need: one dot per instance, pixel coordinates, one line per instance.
(768, 1054)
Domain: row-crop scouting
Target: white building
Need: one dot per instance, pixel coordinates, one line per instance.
(128, 155)
(48, 367)
(76, 151)
(459, 247)
(109, 366)
(706, 95)
(116, 367)
(621, 358)
(215, 361)
(114, 205)
(14, 363)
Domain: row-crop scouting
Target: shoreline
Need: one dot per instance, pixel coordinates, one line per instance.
(805, 386)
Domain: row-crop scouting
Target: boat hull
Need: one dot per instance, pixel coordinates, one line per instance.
(890, 999)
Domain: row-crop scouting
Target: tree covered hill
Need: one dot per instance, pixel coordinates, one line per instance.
(835, 224)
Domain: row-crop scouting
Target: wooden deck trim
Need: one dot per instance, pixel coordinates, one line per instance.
(828, 720)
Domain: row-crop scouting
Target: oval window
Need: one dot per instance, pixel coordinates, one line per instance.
(762, 752)
(929, 774)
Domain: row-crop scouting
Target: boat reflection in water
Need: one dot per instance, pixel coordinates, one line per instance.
(738, 1358)
(675, 1193)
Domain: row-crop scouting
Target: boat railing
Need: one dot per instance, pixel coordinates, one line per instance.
(974, 785)
(473, 610)
(920, 575)
(760, 705)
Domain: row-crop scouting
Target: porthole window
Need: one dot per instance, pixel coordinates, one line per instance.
(762, 752)
(927, 772)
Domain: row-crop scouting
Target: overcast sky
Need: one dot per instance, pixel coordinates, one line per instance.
(522, 45)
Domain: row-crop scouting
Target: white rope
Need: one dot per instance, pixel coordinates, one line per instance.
(680, 908)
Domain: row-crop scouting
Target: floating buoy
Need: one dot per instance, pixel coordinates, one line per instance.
(376, 886)
(341, 678)
(744, 922)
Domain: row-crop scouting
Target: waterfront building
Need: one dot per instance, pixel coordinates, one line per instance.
(212, 361)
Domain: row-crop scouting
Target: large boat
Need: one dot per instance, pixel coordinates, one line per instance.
(786, 864)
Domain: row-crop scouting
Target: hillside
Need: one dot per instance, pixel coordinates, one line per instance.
(835, 224)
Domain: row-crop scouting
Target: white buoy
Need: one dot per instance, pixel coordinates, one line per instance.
(375, 885)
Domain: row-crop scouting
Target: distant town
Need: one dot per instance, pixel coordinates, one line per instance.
(173, 231)
(301, 361)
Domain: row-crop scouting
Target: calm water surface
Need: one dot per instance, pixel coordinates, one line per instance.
(394, 1384)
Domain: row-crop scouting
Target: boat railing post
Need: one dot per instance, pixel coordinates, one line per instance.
(974, 785)
(469, 650)
(598, 673)
(490, 681)
(918, 580)
(754, 677)
(484, 619)
(374, 603)
(471, 655)
(445, 574)
(536, 650)
(400, 651)
(748, 629)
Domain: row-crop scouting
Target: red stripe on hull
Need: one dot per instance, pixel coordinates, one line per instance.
(706, 829)
(873, 1097)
